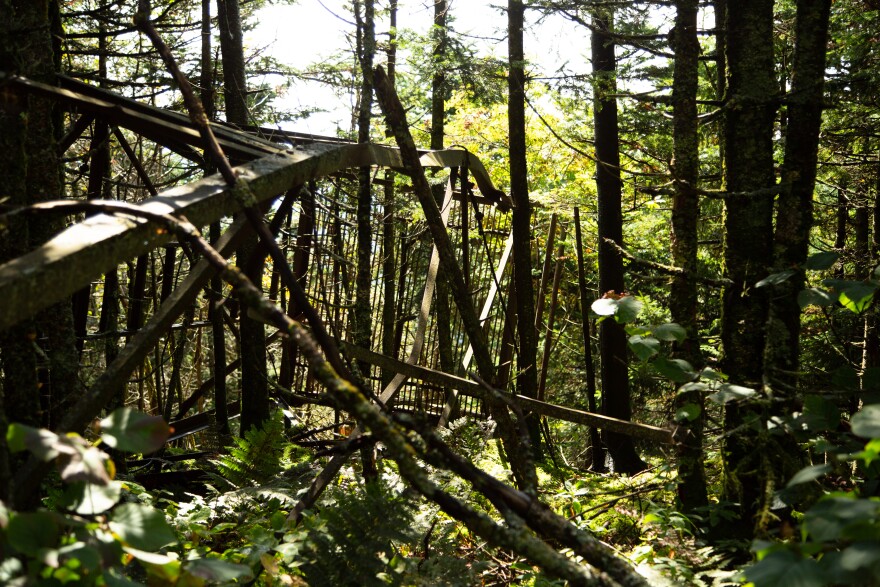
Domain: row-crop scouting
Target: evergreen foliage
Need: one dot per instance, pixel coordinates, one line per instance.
(257, 457)
(357, 541)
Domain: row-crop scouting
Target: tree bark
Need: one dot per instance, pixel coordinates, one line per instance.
(749, 174)
(685, 214)
(518, 452)
(794, 217)
(612, 338)
(527, 372)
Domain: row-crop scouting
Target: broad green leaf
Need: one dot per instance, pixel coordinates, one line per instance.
(836, 518)
(624, 310)
(807, 474)
(858, 297)
(114, 579)
(775, 278)
(88, 556)
(216, 570)
(87, 464)
(678, 370)
(141, 527)
(728, 392)
(866, 422)
(91, 498)
(712, 375)
(670, 332)
(688, 412)
(43, 444)
(29, 533)
(693, 386)
(628, 309)
(860, 559)
(815, 297)
(644, 347)
(604, 307)
(152, 558)
(821, 261)
(132, 431)
(785, 568)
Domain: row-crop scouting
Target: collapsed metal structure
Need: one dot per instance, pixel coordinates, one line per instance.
(317, 171)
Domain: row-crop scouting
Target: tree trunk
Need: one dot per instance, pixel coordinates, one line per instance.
(612, 338)
(749, 177)
(685, 214)
(30, 172)
(794, 216)
(527, 372)
(362, 326)
(389, 258)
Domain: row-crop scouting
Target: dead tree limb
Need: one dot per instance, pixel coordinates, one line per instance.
(520, 454)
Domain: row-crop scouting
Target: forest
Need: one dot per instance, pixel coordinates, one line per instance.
(597, 317)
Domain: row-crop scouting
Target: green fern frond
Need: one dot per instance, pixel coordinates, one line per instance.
(357, 541)
(258, 456)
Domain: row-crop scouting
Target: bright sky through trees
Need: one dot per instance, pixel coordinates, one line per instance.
(314, 30)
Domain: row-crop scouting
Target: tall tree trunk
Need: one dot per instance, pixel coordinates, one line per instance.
(749, 177)
(254, 380)
(232, 57)
(612, 338)
(30, 172)
(389, 258)
(685, 214)
(527, 371)
(794, 216)
(362, 327)
(438, 119)
(597, 448)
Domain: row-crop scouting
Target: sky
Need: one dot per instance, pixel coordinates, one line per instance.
(312, 30)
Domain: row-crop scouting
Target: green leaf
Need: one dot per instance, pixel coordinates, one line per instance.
(628, 310)
(776, 278)
(132, 431)
(687, 412)
(141, 527)
(644, 347)
(815, 297)
(728, 392)
(41, 443)
(785, 568)
(807, 474)
(624, 310)
(86, 464)
(835, 518)
(88, 556)
(821, 261)
(114, 579)
(216, 570)
(31, 532)
(857, 297)
(604, 307)
(89, 498)
(866, 422)
(678, 370)
(670, 332)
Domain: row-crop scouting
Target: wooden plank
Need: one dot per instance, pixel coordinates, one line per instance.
(415, 352)
(642, 431)
(449, 409)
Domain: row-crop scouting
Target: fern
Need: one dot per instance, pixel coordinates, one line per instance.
(357, 540)
(257, 457)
